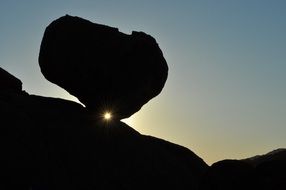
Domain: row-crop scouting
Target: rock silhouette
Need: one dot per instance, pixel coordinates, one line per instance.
(258, 172)
(104, 68)
(8, 82)
(275, 155)
(50, 143)
(271, 175)
(54, 144)
(270, 169)
(228, 174)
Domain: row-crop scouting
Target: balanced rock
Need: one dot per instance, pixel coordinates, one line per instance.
(104, 68)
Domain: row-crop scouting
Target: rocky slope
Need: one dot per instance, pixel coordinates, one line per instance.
(259, 172)
(49, 143)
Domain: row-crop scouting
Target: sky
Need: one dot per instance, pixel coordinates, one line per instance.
(225, 96)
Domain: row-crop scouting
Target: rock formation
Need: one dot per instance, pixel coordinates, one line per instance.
(104, 68)
(275, 155)
(228, 174)
(258, 172)
(8, 82)
(55, 144)
(50, 143)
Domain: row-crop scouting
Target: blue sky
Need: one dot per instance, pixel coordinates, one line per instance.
(225, 96)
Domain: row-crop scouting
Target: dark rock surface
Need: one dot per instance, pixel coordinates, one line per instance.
(228, 174)
(49, 143)
(271, 175)
(270, 169)
(261, 172)
(8, 82)
(104, 68)
(275, 155)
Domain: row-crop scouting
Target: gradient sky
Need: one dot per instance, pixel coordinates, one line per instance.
(225, 96)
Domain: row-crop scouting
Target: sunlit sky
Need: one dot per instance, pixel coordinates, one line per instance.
(225, 96)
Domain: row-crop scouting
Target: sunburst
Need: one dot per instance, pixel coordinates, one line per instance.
(107, 116)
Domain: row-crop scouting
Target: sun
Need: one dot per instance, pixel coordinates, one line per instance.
(107, 116)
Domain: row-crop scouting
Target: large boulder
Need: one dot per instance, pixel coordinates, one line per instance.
(104, 68)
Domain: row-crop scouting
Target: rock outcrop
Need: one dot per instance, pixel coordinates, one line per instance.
(104, 68)
(228, 174)
(8, 82)
(50, 143)
(275, 155)
(258, 172)
(269, 169)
